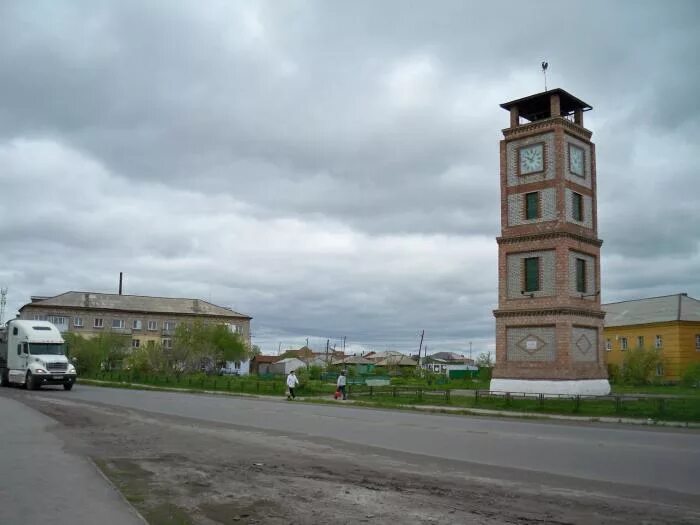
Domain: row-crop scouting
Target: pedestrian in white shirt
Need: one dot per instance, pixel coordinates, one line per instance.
(292, 382)
(342, 381)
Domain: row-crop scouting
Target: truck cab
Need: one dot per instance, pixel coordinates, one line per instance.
(33, 353)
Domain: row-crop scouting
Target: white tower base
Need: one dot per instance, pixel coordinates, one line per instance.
(582, 387)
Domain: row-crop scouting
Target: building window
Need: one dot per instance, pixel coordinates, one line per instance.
(659, 369)
(577, 206)
(581, 275)
(77, 322)
(153, 325)
(532, 274)
(623, 343)
(117, 323)
(697, 342)
(167, 343)
(38, 317)
(532, 205)
(137, 324)
(99, 322)
(608, 345)
(659, 342)
(135, 343)
(640, 341)
(57, 320)
(169, 325)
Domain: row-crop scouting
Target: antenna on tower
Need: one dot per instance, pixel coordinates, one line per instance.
(3, 302)
(545, 65)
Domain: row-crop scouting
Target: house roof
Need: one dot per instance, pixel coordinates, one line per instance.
(353, 360)
(265, 358)
(135, 303)
(677, 307)
(289, 360)
(382, 355)
(397, 360)
(447, 356)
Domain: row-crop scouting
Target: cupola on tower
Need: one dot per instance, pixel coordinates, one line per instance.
(549, 323)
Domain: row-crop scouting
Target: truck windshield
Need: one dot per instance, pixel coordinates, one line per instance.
(47, 348)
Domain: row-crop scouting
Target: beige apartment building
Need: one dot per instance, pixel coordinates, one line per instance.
(143, 318)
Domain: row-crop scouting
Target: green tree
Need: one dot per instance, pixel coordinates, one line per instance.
(226, 345)
(107, 350)
(147, 359)
(639, 365)
(484, 360)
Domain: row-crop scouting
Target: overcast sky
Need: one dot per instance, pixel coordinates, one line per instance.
(330, 168)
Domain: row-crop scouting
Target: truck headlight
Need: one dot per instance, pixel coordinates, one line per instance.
(71, 369)
(40, 371)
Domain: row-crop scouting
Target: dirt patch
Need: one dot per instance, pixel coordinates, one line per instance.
(180, 471)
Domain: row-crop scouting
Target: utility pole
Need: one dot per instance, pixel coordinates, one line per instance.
(307, 342)
(420, 347)
(344, 345)
(470, 350)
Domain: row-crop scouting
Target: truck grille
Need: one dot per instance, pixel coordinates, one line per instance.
(57, 366)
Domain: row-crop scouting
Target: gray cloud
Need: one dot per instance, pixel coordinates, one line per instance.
(330, 168)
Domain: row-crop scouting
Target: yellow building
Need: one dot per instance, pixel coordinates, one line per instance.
(143, 318)
(670, 323)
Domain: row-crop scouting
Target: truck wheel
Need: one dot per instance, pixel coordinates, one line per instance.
(4, 381)
(67, 386)
(29, 382)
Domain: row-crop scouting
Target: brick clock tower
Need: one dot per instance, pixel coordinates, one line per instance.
(549, 323)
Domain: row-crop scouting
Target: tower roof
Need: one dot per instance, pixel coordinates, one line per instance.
(537, 107)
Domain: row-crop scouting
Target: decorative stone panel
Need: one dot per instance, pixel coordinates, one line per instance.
(548, 208)
(531, 343)
(587, 210)
(586, 179)
(590, 273)
(584, 344)
(515, 273)
(512, 160)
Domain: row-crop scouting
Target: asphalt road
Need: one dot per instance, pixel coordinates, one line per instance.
(648, 458)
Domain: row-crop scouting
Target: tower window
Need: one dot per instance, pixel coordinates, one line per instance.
(532, 274)
(640, 341)
(577, 206)
(623, 343)
(532, 205)
(581, 275)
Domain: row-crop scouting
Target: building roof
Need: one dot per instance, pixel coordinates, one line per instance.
(397, 360)
(382, 355)
(265, 358)
(448, 356)
(135, 303)
(677, 307)
(353, 360)
(536, 107)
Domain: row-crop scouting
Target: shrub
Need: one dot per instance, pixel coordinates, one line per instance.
(639, 365)
(691, 375)
(614, 374)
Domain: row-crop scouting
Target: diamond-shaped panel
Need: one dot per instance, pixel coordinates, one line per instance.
(531, 344)
(583, 344)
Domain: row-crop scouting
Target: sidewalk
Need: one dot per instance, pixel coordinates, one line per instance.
(41, 483)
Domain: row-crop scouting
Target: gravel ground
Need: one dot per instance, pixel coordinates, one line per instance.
(180, 471)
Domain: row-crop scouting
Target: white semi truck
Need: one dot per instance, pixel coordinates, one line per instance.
(33, 353)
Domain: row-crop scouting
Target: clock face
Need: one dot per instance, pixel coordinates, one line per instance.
(531, 159)
(575, 160)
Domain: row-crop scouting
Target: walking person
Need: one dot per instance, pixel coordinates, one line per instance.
(292, 382)
(342, 381)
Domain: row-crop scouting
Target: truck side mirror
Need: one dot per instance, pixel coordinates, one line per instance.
(25, 348)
